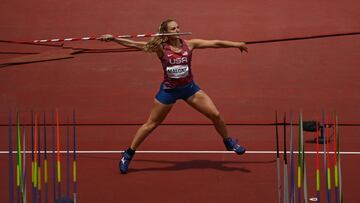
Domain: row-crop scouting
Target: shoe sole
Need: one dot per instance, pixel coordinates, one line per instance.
(241, 153)
(238, 153)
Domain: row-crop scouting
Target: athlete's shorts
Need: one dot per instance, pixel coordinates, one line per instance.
(169, 96)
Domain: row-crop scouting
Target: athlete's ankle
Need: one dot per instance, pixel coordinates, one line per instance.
(130, 151)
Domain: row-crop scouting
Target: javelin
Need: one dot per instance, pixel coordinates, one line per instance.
(277, 159)
(58, 161)
(292, 175)
(45, 163)
(120, 36)
(11, 173)
(303, 38)
(19, 161)
(285, 186)
(326, 169)
(303, 161)
(300, 157)
(336, 176)
(74, 158)
(317, 162)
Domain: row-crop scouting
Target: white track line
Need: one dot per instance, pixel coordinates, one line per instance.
(177, 152)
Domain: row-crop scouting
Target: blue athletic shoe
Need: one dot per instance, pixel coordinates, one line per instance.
(124, 162)
(232, 145)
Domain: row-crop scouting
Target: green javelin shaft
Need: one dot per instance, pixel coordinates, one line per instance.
(299, 159)
(336, 177)
(19, 164)
(303, 161)
(24, 169)
(338, 159)
(317, 160)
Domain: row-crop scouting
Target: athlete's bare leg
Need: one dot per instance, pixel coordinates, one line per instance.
(203, 103)
(158, 113)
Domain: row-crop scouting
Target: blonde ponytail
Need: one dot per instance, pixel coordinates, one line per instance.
(155, 43)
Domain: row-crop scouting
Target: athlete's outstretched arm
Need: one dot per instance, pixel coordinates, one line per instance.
(122, 41)
(202, 44)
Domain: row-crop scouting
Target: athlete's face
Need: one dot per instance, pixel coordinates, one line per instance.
(173, 27)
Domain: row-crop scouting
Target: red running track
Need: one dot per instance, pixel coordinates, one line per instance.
(118, 87)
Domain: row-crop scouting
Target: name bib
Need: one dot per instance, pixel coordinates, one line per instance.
(178, 71)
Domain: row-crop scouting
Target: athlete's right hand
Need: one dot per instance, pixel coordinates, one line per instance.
(107, 38)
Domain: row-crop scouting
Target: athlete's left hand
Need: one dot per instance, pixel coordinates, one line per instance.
(243, 48)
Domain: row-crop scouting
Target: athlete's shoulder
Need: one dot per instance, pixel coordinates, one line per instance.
(190, 43)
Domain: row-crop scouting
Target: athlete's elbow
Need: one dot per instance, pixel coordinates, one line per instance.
(221, 44)
(218, 44)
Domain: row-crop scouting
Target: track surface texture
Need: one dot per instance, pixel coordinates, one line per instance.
(112, 90)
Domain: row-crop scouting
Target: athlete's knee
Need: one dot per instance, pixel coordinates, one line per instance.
(215, 116)
(151, 125)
